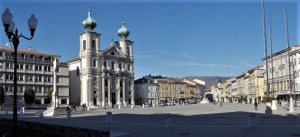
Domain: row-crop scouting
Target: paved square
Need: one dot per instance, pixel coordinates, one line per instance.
(196, 120)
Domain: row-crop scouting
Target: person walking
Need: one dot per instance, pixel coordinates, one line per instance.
(221, 104)
(255, 104)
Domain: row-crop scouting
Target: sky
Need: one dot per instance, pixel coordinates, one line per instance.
(171, 38)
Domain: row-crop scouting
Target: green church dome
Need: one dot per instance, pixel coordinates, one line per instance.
(123, 31)
(89, 24)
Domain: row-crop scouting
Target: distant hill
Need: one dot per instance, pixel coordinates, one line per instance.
(209, 80)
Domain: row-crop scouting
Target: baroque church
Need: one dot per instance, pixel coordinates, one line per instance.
(102, 78)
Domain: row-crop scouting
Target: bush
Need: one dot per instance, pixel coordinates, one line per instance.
(1, 95)
(29, 96)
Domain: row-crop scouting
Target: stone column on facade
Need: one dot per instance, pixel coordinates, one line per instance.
(108, 90)
(118, 91)
(99, 95)
(103, 91)
(124, 93)
(131, 51)
(132, 92)
(89, 96)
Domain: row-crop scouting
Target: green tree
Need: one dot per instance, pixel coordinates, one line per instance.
(1, 97)
(29, 96)
(49, 94)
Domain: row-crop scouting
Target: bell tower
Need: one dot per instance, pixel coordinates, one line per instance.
(89, 48)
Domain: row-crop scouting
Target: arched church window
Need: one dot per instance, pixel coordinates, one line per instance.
(84, 45)
(127, 50)
(93, 44)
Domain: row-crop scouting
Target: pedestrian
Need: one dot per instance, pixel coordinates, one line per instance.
(221, 103)
(83, 107)
(255, 104)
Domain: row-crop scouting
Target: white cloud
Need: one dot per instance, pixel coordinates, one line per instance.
(184, 55)
(204, 65)
(144, 56)
(164, 53)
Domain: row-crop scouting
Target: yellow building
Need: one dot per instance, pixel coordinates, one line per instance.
(245, 88)
(256, 84)
(167, 90)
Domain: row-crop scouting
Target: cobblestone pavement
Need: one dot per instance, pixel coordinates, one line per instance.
(196, 120)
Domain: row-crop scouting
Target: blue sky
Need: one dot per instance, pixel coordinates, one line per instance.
(175, 39)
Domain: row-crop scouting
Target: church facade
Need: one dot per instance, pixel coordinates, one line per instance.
(102, 78)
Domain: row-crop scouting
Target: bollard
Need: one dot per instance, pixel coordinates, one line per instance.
(177, 104)
(41, 114)
(152, 105)
(143, 106)
(23, 110)
(87, 108)
(108, 117)
(131, 106)
(69, 114)
(119, 106)
(168, 121)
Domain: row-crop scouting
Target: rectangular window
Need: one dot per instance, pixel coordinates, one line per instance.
(29, 67)
(47, 78)
(19, 66)
(29, 78)
(20, 78)
(63, 101)
(38, 89)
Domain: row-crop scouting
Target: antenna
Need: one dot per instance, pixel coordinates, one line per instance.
(271, 48)
(286, 28)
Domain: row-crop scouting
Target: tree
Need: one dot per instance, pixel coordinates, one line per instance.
(1, 97)
(49, 94)
(29, 96)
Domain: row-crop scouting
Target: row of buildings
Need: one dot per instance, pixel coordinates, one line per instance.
(282, 81)
(97, 78)
(104, 78)
(156, 90)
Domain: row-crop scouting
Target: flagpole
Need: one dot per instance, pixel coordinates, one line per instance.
(266, 51)
(289, 48)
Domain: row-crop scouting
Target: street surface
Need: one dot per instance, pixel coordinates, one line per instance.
(195, 120)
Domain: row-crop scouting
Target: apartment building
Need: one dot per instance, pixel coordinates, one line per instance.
(281, 73)
(34, 70)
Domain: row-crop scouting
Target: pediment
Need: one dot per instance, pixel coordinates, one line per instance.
(113, 51)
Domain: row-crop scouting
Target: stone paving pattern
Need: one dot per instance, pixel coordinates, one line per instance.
(195, 120)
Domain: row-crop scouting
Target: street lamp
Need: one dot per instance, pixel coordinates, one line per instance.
(14, 38)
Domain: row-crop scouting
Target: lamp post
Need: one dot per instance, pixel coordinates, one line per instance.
(14, 38)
